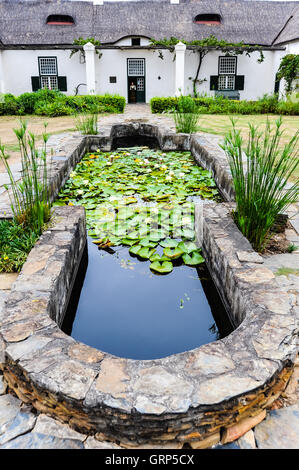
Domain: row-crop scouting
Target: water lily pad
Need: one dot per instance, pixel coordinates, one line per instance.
(157, 257)
(188, 246)
(134, 249)
(173, 253)
(145, 252)
(147, 242)
(193, 258)
(129, 242)
(163, 267)
(169, 243)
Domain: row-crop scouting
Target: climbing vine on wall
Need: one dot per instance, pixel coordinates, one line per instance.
(81, 42)
(289, 70)
(203, 46)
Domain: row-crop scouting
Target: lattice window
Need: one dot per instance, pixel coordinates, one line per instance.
(227, 65)
(136, 67)
(50, 82)
(226, 82)
(48, 65)
(140, 84)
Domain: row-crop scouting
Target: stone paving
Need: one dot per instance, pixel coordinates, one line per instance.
(22, 427)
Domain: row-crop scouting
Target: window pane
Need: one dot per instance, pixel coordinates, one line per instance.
(227, 65)
(226, 82)
(136, 67)
(48, 66)
(50, 82)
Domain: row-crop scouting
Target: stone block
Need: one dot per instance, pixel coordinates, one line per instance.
(244, 425)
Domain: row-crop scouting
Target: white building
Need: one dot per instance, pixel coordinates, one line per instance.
(37, 37)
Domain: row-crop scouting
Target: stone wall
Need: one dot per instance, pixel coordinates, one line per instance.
(195, 398)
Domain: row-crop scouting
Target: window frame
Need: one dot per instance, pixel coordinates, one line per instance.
(60, 23)
(227, 75)
(49, 75)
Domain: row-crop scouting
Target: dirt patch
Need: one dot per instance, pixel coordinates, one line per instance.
(35, 125)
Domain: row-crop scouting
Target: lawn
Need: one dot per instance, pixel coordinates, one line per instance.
(212, 123)
(219, 124)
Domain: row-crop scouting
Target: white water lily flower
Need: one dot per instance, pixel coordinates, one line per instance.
(148, 170)
(73, 174)
(85, 182)
(146, 161)
(168, 178)
(80, 192)
(163, 167)
(182, 174)
(186, 220)
(171, 173)
(108, 163)
(156, 165)
(154, 210)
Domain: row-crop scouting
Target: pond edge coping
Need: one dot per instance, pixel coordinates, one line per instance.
(184, 398)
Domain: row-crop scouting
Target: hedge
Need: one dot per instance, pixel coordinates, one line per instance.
(54, 103)
(220, 105)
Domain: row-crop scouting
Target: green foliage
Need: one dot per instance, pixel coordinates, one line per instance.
(53, 103)
(87, 124)
(186, 115)
(81, 42)
(29, 197)
(261, 181)
(142, 199)
(289, 70)
(16, 241)
(268, 104)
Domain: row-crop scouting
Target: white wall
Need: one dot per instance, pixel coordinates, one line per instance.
(114, 63)
(259, 78)
(21, 65)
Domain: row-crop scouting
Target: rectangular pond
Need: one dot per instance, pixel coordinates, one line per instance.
(143, 290)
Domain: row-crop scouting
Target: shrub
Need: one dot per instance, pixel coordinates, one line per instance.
(27, 101)
(261, 180)
(219, 105)
(9, 105)
(52, 109)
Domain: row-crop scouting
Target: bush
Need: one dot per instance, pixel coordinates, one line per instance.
(268, 104)
(87, 123)
(56, 108)
(54, 103)
(9, 105)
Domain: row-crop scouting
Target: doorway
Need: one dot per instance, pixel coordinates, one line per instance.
(136, 80)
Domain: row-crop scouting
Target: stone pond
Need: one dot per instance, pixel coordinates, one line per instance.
(195, 398)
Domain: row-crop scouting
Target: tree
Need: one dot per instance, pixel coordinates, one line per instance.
(289, 70)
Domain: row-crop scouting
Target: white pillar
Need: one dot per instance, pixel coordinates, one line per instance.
(89, 50)
(180, 49)
(2, 86)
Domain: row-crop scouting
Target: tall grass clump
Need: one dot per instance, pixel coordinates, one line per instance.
(186, 115)
(260, 172)
(30, 201)
(87, 123)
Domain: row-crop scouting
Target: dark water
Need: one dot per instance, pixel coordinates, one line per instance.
(124, 309)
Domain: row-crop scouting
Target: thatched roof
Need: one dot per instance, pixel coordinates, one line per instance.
(253, 22)
(290, 31)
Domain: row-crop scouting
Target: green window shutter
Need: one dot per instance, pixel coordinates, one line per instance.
(214, 82)
(35, 82)
(62, 86)
(239, 84)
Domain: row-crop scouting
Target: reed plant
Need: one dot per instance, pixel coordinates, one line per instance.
(186, 115)
(87, 123)
(29, 196)
(260, 171)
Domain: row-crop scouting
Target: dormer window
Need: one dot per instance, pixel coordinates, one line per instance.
(135, 41)
(208, 18)
(64, 20)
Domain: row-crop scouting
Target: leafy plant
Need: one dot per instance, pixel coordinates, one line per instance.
(289, 70)
(16, 241)
(87, 124)
(261, 179)
(186, 115)
(30, 201)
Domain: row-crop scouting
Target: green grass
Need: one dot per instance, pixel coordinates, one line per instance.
(286, 272)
